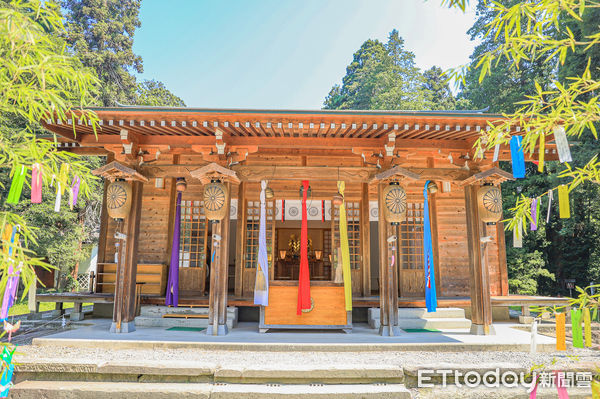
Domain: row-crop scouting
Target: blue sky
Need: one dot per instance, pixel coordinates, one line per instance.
(283, 53)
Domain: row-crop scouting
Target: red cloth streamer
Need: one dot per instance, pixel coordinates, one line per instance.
(322, 210)
(283, 210)
(304, 279)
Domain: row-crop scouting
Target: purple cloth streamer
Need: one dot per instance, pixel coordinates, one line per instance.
(75, 190)
(172, 295)
(534, 219)
(13, 281)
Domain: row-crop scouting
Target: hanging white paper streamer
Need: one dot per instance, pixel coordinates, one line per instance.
(562, 145)
(518, 236)
(58, 198)
(446, 187)
(533, 347)
(550, 197)
(496, 152)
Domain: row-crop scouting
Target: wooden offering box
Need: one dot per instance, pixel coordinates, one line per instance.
(154, 277)
(329, 309)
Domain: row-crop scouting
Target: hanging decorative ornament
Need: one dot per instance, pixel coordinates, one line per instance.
(432, 188)
(215, 198)
(562, 144)
(337, 199)
(181, 184)
(489, 201)
(269, 193)
(118, 199)
(308, 191)
(394, 199)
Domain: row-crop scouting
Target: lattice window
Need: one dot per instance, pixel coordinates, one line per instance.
(410, 237)
(353, 223)
(326, 246)
(192, 251)
(252, 228)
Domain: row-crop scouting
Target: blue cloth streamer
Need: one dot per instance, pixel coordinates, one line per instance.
(430, 295)
(518, 157)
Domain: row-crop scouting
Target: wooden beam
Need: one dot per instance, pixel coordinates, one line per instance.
(124, 306)
(271, 173)
(365, 236)
(481, 306)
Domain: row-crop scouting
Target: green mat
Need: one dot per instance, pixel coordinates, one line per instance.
(186, 329)
(420, 330)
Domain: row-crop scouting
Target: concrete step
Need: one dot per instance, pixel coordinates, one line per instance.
(422, 313)
(437, 324)
(152, 316)
(102, 390)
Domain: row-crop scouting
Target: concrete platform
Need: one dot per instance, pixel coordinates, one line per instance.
(442, 319)
(246, 337)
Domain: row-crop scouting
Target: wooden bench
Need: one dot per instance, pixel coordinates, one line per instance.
(184, 316)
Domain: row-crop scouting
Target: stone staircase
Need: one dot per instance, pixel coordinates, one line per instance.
(172, 379)
(442, 319)
(152, 316)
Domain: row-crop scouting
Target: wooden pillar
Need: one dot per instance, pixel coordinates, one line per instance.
(481, 305)
(124, 302)
(217, 300)
(388, 276)
(104, 218)
(240, 239)
(502, 266)
(365, 236)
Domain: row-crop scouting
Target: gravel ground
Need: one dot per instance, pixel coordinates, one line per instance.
(217, 358)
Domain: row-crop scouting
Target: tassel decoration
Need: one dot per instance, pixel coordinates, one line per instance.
(563, 202)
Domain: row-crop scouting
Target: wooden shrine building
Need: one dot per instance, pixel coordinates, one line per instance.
(152, 147)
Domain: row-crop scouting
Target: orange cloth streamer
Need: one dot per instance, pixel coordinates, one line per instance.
(561, 343)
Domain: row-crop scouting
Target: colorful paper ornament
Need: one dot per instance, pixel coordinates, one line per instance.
(74, 192)
(561, 342)
(562, 145)
(564, 206)
(576, 328)
(261, 285)
(587, 327)
(16, 186)
(534, 213)
(542, 150)
(518, 235)
(517, 157)
(36, 183)
(345, 249)
(7, 374)
(496, 153)
(550, 198)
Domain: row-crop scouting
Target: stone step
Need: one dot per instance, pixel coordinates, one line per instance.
(438, 324)
(167, 322)
(422, 313)
(102, 390)
(159, 311)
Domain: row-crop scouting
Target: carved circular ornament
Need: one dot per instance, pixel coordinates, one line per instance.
(492, 200)
(293, 211)
(395, 200)
(312, 211)
(214, 196)
(312, 306)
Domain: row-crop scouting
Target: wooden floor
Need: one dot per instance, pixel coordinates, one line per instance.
(361, 302)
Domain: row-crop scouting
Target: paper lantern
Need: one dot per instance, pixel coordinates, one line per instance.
(215, 200)
(489, 202)
(394, 200)
(432, 187)
(118, 199)
(181, 184)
